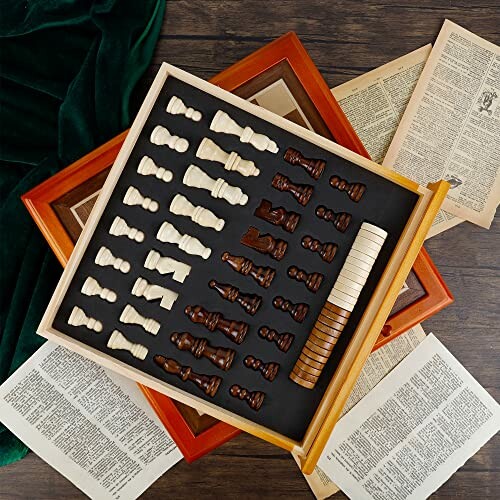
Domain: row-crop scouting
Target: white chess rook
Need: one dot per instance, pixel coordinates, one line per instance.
(167, 265)
(180, 205)
(148, 167)
(176, 106)
(119, 227)
(130, 316)
(104, 257)
(189, 244)
(79, 318)
(151, 292)
(219, 188)
(118, 341)
(162, 137)
(134, 197)
(92, 287)
(208, 150)
(223, 123)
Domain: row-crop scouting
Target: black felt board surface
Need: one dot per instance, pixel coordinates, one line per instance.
(288, 408)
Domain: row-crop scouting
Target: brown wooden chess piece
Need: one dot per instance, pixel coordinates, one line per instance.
(297, 311)
(232, 329)
(253, 398)
(312, 281)
(277, 216)
(325, 250)
(209, 384)
(262, 275)
(250, 302)
(354, 190)
(301, 192)
(264, 243)
(200, 348)
(268, 370)
(312, 166)
(340, 220)
(282, 340)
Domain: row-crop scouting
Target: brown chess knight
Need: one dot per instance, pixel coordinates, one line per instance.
(265, 243)
(277, 216)
(312, 166)
(262, 275)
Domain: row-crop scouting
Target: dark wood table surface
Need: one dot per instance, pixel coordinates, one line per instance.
(345, 39)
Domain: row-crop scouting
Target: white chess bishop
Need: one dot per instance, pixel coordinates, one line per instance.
(92, 287)
(118, 341)
(134, 197)
(189, 244)
(119, 227)
(180, 205)
(176, 106)
(162, 137)
(223, 123)
(208, 150)
(79, 318)
(148, 167)
(104, 258)
(219, 188)
(166, 265)
(130, 316)
(142, 288)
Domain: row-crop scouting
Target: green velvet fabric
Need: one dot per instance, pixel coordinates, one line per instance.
(67, 70)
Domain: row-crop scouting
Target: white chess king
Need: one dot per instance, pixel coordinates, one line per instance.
(162, 137)
(151, 292)
(130, 316)
(134, 197)
(176, 106)
(119, 227)
(167, 265)
(148, 167)
(79, 318)
(180, 205)
(104, 257)
(189, 244)
(92, 287)
(118, 341)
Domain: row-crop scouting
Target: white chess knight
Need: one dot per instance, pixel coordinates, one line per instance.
(92, 287)
(208, 150)
(162, 137)
(167, 265)
(176, 106)
(219, 188)
(151, 292)
(189, 244)
(79, 318)
(223, 123)
(130, 316)
(180, 205)
(104, 257)
(148, 167)
(119, 227)
(134, 197)
(118, 341)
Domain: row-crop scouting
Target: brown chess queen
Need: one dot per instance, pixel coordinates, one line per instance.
(354, 190)
(254, 399)
(297, 311)
(250, 302)
(312, 281)
(312, 166)
(268, 370)
(282, 340)
(262, 275)
(301, 192)
(264, 243)
(277, 216)
(340, 220)
(327, 251)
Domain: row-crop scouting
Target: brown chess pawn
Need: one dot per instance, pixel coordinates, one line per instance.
(301, 192)
(325, 250)
(262, 275)
(312, 166)
(312, 281)
(253, 398)
(282, 340)
(250, 302)
(339, 219)
(201, 348)
(268, 370)
(207, 383)
(265, 243)
(277, 216)
(232, 329)
(297, 311)
(354, 190)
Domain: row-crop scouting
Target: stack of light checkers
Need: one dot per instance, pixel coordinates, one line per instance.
(339, 305)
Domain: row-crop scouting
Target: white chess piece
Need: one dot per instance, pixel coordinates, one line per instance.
(189, 244)
(119, 227)
(104, 257)
(130, 316)
(167, 265)
(118, 341)
(151, 292)
(177, 107)
(208, 150)
(219, 188)
(162, 137)
(134, 197)
(92, 287)
(223, 123)
(148, 167)
(180, 205)
(79, 318)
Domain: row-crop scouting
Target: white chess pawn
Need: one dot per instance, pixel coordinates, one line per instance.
(219, 188)
(177, 107)
(79, 318)
(134, 197)
(208, 150)
(223, 123)
(92, 287)
(104, 257)
(118, 341)
(119, 227)
(148, 167)
(189, 244)
(130, 316)
(167, 265)
(162, 137)
(151, 292)
(180, 205)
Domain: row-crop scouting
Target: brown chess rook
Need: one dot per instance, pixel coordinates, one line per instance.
(209, 384)
(297, 311)
(201, 348)
(277, 216)
(325, 250)
(264, 243)
(268, 370)
(312, 166)
(354, 190)
(282, 340)
(301, 192)
(312, 281)
(340, 220)
(262, 275)
(232, 329)
(250, 302)
(253, 398)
